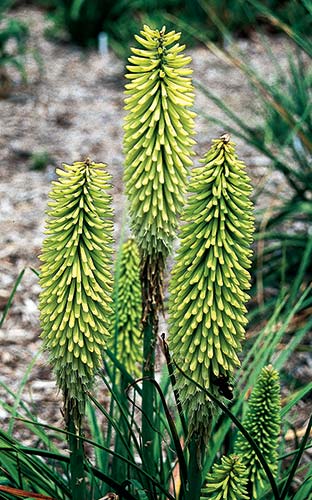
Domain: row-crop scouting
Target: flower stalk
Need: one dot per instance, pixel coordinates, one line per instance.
(262, 421)
(209, 282)
(158, 148)
(76, 290)
(227, 481)
(126, 343)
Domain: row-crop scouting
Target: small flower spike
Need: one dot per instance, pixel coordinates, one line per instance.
(157, 142)
(75, 301)
(207, 291)
(262, 421)
(128, 310)
(227, 481)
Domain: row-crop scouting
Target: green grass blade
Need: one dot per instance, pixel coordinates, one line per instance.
(11, 297)
(304, 489)
(295, 397)
(35, 271)
(36, 471)
(304, 43)
(19, 393)
(296, 340)
(114, 424)
(133, 464)
(175, 437)
(96, 434)
(123, 411)
(304, 264)
(173, 383)
(296, 460)
(124, 372)
(256, 357)
(107, 479)
(242, 430)
(266, 343)
(41, 436)
(307, 5)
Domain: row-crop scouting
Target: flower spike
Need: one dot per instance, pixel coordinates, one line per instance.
(210, 279)
(158, 147)
(262, 421)
(157, 141)
(128, 310)
(76, 280)
(227, 481)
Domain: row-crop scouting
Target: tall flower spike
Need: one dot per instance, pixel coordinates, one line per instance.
(76, 280)
(209, 279)
(128, 310)
(227, 481)
(262, 421)
(157, 140)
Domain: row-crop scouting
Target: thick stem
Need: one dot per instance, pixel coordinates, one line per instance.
(152, 293)
(119, 468)
(148, 433)
(196, 457)
(76, 463)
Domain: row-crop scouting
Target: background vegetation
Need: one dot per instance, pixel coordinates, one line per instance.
(83, 20)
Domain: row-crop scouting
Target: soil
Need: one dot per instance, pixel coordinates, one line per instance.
(71, 108)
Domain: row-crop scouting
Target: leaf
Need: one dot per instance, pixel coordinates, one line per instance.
(25, 494)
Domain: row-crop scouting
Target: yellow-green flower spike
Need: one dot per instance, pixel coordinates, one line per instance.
(262, 421)
(128, 310)
(227, 481)
(157, 140)
(75, 278)
(210, 279)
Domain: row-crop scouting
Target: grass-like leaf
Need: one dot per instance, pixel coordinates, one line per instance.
(11, 297)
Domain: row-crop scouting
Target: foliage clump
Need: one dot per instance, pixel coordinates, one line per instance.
(13, 38)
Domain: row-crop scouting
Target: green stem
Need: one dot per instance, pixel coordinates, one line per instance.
(152, 294)
(196, 455)
(76, 463)
(119, 469)
(148, 434)
(173, 384)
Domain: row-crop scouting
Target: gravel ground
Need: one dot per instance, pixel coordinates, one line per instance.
(71, 109)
